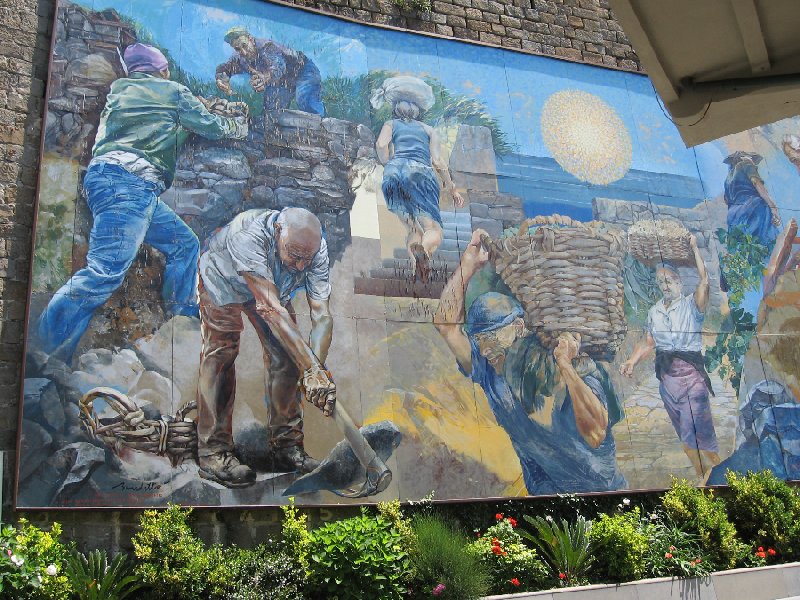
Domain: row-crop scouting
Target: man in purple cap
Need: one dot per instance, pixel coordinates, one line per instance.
(146, 119)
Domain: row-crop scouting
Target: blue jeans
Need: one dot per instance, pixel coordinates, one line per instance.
(127, 213)
(307, 92)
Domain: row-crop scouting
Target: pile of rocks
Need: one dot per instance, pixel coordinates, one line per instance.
(86, 60)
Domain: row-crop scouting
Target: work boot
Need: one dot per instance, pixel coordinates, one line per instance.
(293, 458)
(224, 468)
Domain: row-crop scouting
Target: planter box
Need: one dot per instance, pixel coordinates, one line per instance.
(778, 582)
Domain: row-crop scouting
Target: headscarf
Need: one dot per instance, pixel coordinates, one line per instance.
(141, 58)
(492, 311)
(403, 88)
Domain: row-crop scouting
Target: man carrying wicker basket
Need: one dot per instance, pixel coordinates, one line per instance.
(674, 331)
(557, 406)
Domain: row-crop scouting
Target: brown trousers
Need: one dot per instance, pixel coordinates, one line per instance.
(221, 328)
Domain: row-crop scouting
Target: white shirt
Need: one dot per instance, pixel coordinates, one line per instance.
(678, 327)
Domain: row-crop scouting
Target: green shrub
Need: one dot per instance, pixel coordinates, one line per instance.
(564, 546)
(703, 515)
(360, 557)
(672, 552)
(172, 562)
(765, 511)
(440, 556)
(32, 563)
(618, 544)
(294, 529)
(513, 566)
(264, 573)
(93, 578)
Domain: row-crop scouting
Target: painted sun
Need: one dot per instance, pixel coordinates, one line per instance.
(586, 136)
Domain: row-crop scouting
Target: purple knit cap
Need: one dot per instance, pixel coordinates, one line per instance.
(141, 58)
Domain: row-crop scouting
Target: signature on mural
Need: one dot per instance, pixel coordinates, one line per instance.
(322, 261)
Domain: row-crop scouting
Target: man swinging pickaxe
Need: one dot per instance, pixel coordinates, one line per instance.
(253, 266)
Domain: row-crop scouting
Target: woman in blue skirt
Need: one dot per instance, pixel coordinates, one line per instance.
(409, 151)
(749, 204)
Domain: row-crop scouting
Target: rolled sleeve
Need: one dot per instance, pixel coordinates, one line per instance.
(249, 254)
(318, 284)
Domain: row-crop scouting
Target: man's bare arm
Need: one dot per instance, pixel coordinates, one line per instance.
(280, 322)
(591, 416)
(450, 315)
(641, 350)
(321, 327)
(701, 292)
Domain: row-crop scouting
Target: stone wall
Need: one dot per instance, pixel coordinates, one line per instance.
(582, 30)
(579, 30)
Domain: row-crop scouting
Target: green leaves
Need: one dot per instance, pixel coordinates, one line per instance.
(565, 546)
(361, 557)
(93, 578)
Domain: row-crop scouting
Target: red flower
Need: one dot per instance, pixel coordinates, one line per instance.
(515, 582)
(512, 521)
(698, 560)
(499, 516)
(760, 548)
(562, 576)
(771, 551)
(761, 554)
(495, 541)
(497, 550)
(668, 555)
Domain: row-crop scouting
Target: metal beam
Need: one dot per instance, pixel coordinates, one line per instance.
(752, 35)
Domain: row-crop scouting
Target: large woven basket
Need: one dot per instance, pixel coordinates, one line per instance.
(568, 277)
(653, 241)
(173, 437)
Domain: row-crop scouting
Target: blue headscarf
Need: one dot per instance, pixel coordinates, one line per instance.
(490, 312)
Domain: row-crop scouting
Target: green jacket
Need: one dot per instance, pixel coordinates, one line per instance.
(152, 117)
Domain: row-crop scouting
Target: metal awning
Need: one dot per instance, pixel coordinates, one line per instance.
(720, 66)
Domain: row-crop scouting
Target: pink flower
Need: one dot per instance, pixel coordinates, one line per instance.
(668, 555)
(440, 587)
(760, 548)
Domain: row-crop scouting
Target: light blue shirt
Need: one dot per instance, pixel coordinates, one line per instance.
(247, 245)
(677, 328)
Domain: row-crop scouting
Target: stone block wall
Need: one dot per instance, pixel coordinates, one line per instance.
(578, 30)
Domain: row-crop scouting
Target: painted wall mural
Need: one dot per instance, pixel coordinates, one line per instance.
(279, 254)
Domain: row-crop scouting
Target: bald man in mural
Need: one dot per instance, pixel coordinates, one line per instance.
(253, 266)
(557, 406)
(276, 71)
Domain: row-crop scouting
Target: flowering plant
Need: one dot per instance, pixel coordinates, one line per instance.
(671, 551)
(32, 562)
(512, 565)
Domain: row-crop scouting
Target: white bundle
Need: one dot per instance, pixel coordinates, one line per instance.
(403, 88)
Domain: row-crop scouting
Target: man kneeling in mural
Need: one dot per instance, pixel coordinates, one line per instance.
(277, 71)
(558, 407)
(254, 265)
(144, 122)
(674, 331)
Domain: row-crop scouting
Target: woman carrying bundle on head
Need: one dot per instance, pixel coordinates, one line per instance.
(410, 152)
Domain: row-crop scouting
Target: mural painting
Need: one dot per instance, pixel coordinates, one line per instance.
(279, 254)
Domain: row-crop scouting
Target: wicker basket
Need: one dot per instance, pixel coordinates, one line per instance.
(173, 437)
(568, 277)
(657, 241)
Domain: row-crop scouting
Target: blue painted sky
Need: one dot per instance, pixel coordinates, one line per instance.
(513, 86)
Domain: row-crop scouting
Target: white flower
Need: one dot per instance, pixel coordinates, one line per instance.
(626, 501)
(51, 570)
(39, 577)
(17, 560)
(548, 518)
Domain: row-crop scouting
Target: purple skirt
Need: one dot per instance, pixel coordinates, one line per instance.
(685, 396)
